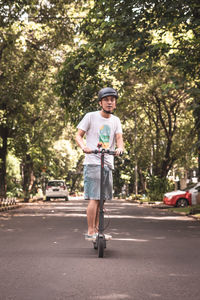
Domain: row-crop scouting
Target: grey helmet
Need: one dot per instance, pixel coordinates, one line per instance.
(108, 91)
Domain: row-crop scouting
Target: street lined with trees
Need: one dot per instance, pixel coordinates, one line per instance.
(56, 55)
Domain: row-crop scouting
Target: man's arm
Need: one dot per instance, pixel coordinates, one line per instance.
(79, 139)
(119, 143)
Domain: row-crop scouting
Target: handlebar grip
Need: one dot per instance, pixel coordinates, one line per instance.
(95, 151)
(111, 152)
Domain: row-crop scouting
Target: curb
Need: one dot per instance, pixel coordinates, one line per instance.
(8, 207)
(193, 216)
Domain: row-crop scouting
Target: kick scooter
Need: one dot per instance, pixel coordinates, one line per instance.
(100, 242)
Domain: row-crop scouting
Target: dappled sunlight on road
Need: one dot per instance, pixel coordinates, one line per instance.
(113, 297)
(77, 208)
(83, 215)
(129, 240)
(50, 208)
(52, 214)
(51, 203)
(163, 218)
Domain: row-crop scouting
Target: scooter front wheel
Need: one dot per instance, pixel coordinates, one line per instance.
(101, 247)
(95, 244)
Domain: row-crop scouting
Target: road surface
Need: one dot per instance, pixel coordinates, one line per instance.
(44, 256)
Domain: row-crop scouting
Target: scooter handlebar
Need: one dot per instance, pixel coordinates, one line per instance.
(106, 151)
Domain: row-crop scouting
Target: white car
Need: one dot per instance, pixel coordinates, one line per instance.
(56, 189)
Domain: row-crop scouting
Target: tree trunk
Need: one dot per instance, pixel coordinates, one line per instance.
(167, 161)
(136, 159)
(27, 177)
(3, 155)
(142, 181)
(199, 156)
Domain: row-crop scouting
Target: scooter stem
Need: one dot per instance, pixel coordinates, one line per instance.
(101, 212)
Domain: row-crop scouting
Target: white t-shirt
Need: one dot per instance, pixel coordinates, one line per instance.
(100, 129)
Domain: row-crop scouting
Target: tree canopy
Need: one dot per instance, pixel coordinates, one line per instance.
(56, 55)
(34, 36)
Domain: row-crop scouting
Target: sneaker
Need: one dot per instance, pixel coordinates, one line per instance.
(108, 237)
(91, 237)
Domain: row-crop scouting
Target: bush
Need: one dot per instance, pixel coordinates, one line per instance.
(13, 188)
(136, 197)
(157, 187)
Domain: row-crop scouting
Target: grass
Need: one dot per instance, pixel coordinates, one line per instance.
(185, 210)
(189, 210)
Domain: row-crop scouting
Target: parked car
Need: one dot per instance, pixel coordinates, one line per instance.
(182, 198)
(56, 189)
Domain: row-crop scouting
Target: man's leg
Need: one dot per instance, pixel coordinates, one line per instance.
(92, 215)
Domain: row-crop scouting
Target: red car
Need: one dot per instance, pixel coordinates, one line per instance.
(182, 198)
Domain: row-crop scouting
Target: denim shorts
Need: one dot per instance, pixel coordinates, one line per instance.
(92, 182)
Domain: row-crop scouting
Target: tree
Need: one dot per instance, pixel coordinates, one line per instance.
(30, 36)
(39, 125)
(149, 37)
(181, 18)
(157, 122)
(139, 33)
(66, 161)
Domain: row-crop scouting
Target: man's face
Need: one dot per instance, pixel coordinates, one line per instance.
(108, 103)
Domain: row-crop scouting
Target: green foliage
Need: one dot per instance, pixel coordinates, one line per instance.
(138, 42)
(79, 81)
(122, 175)
(32, 36)
(13, 176)
(156, 187)
(148, 50)
(66, 160)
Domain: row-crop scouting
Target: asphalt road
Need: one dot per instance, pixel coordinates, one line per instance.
(43, 254)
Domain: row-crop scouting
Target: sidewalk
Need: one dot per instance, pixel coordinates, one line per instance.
(189, 211)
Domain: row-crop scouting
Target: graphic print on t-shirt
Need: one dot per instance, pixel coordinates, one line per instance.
(104, 136)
